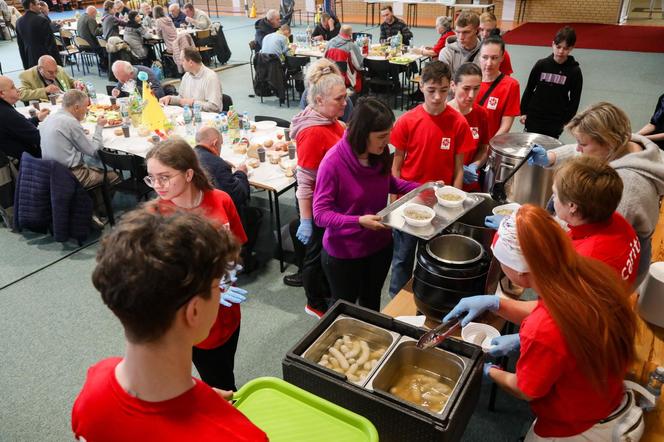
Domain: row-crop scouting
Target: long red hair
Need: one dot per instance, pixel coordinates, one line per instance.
(585, 297)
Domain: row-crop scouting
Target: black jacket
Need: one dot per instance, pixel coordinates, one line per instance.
(263, 27)
(553, 91)
(17, 133)
(327, 34)
(35, 38)
(235, 184)
(270, 72)
(387, 31)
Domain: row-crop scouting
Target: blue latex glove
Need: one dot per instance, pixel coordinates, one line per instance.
(234, 295)
(487, 367)
(470, 173)
(472, 307)
(304, 231)
(539, 157)
(493, 221)
(505, 345)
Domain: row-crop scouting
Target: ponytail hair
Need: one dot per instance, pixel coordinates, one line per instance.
(322, 76)
(588, 302)
(177, 154)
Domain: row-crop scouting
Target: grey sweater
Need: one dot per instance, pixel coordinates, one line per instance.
(643, 183)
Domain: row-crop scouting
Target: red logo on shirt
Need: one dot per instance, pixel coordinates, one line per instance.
(445, 143)
(476, 133)
(493, 103)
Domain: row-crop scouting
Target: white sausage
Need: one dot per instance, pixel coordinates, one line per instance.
(355, 350)
(364, 357)
(334, 363)
(344, 349)
(337, 343)
(352, 369)
(347, 340)
(343, 363)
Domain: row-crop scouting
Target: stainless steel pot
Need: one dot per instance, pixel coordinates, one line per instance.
(455, 250)
(530, 184)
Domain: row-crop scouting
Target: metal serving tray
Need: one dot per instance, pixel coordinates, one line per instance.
(406, 354)
(425, 194)
(375, 336)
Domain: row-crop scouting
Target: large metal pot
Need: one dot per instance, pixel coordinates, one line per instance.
(471, 224)
(530, 184)
(449, 267)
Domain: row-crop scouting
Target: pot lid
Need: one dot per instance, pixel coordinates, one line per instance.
(516, 145)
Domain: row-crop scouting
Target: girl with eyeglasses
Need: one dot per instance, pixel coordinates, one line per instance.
(180, 183)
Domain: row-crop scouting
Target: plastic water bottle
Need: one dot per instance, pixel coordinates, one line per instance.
(246, 123)
(223, 123)
(198, 118)
(92, 93)
(309, 32)
(186, 115)
(654, 386)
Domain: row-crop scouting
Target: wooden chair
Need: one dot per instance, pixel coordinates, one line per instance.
(202, 38)
(67, 50)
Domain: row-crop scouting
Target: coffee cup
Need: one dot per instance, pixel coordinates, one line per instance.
(33, 112)
(125, 130)
(35, 104)
(287, 134)
(53, 98)
(261, 154)
(291, 151)
(113, 100)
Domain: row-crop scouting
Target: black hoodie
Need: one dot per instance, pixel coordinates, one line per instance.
(263, 27)
(553, 91)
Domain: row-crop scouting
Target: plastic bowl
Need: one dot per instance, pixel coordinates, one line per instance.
(420, 208)
(511, 208)
(450, 190)
(265, 125)
(479, 334)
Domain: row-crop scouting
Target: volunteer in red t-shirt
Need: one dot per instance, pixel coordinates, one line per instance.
(444, 28)
(316, 129)
(576, 341)
(586, 194)
(499, 93)
(465, 86)
(430, 141)
(159, 272)
(489, 27)
(177, 177)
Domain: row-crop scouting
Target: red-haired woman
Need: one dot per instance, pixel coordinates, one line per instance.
(576, 340)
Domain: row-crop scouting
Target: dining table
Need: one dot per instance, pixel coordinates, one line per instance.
(266, 176)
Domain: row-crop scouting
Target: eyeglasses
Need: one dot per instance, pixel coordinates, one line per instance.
(162, 180)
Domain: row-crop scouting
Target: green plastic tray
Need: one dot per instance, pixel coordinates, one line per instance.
(290, 414)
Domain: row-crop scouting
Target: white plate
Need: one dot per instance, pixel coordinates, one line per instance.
(473, 332)
(264, 126)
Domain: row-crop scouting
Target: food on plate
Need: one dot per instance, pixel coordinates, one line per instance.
(118, 131)
(268, 143)
(143, 131)
(281, 145)
(504, 212)
(274, 157)
(289, 172)
(451, 197)
(253, 162)
(280, 136)
(252, 128)
(252, 152)
(240, 148)
(416, 214)
(423, 388)
(103, 107)
(352, 357)
(109, 111)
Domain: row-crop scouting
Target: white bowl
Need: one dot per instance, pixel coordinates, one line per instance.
(453, 190)
(265, 125)
(420, 208)
(512, 207)
(479, 334)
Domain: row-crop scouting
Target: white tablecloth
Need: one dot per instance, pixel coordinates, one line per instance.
(266, 176)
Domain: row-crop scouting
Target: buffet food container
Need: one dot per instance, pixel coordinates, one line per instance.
(375, 337)
(394, 418)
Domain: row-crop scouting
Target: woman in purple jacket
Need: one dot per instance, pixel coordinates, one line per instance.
(353, 183)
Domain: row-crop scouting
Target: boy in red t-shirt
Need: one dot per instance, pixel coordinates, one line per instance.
(499, 94)
(430, 141)
(167, 299)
